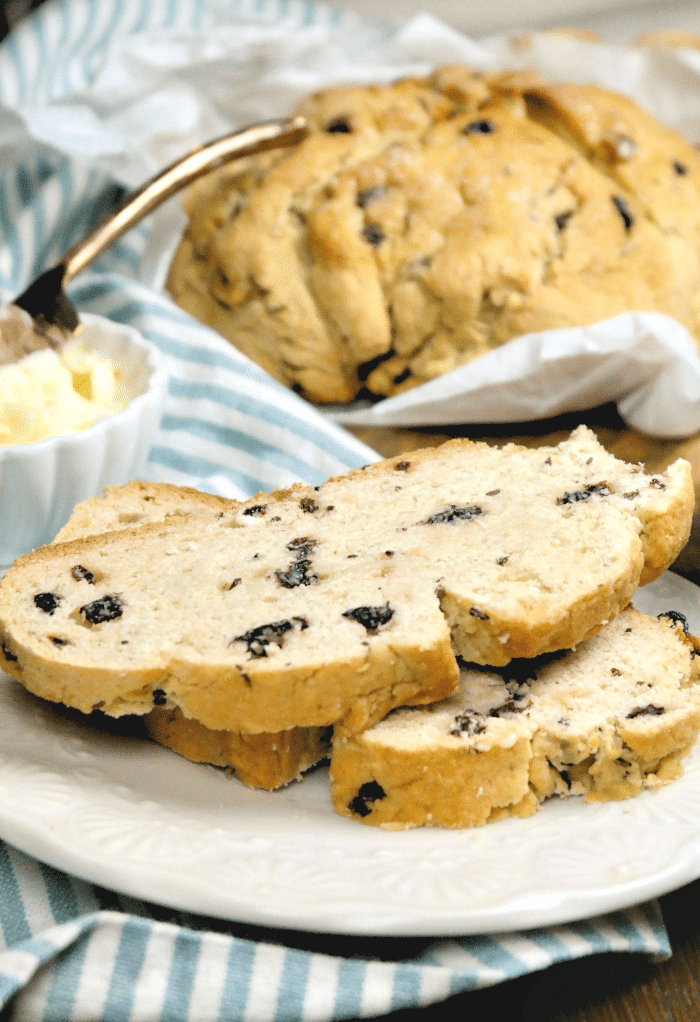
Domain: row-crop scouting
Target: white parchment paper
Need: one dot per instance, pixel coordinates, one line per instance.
(155, 95)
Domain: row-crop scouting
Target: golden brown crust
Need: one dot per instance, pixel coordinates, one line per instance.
(265, 760)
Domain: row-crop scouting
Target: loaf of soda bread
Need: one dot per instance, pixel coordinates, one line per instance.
(309, 607)
(605, 721)
(263, 760)
(425, 222)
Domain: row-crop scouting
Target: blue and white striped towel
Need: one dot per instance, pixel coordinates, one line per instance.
(77, 953)
(69, 950)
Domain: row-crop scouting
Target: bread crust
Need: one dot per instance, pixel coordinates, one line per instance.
(265, 760)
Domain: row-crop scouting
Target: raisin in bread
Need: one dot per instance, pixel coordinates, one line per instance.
(605, 721)
(307, 606)
(262, 760)
(423, 223)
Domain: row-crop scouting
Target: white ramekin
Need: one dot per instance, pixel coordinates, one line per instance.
(40, 483)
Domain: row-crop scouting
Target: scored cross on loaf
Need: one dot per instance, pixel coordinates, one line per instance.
(308, 607)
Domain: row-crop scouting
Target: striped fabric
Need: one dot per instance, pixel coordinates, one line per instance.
(76, 953)
(70, 950)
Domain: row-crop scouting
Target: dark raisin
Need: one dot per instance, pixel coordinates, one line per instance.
(645, 711)
(492, 493)
(502, 560)
(369, 792)
(597, 489)
(470, 723)
(562, 219)
(631, 495)
(680, 168)
(511, 706)
(657, 484)
(402, 376)
(371, 618)
(564, 776)
(276, 519)
(675, 615)
(47, 602)
(369, 194)
(330, 507)
(475, 612)
(298, 573)
(81, 574)
(109, 608)
(373, 235)
(10, 657)
(308, 505)
(256, 510)
(388, 553)
(615, 672)
(481, 127)
(256, 639)
(351, 556)
(548, 461)
(159, 697)
(57, 641)
(236, 582)
(301, 542)
(623, 209)
(402, 466)
(454, 514)
(339, 125)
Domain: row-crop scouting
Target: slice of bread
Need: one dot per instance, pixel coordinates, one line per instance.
(605, 721)
(263, 760)
(309, 607)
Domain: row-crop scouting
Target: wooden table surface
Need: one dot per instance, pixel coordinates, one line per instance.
(610, 987)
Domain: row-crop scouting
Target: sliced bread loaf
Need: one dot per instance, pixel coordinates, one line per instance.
(605, 721)
(307, 607)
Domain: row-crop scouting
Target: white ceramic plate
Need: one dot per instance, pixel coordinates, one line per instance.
(131, 816)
